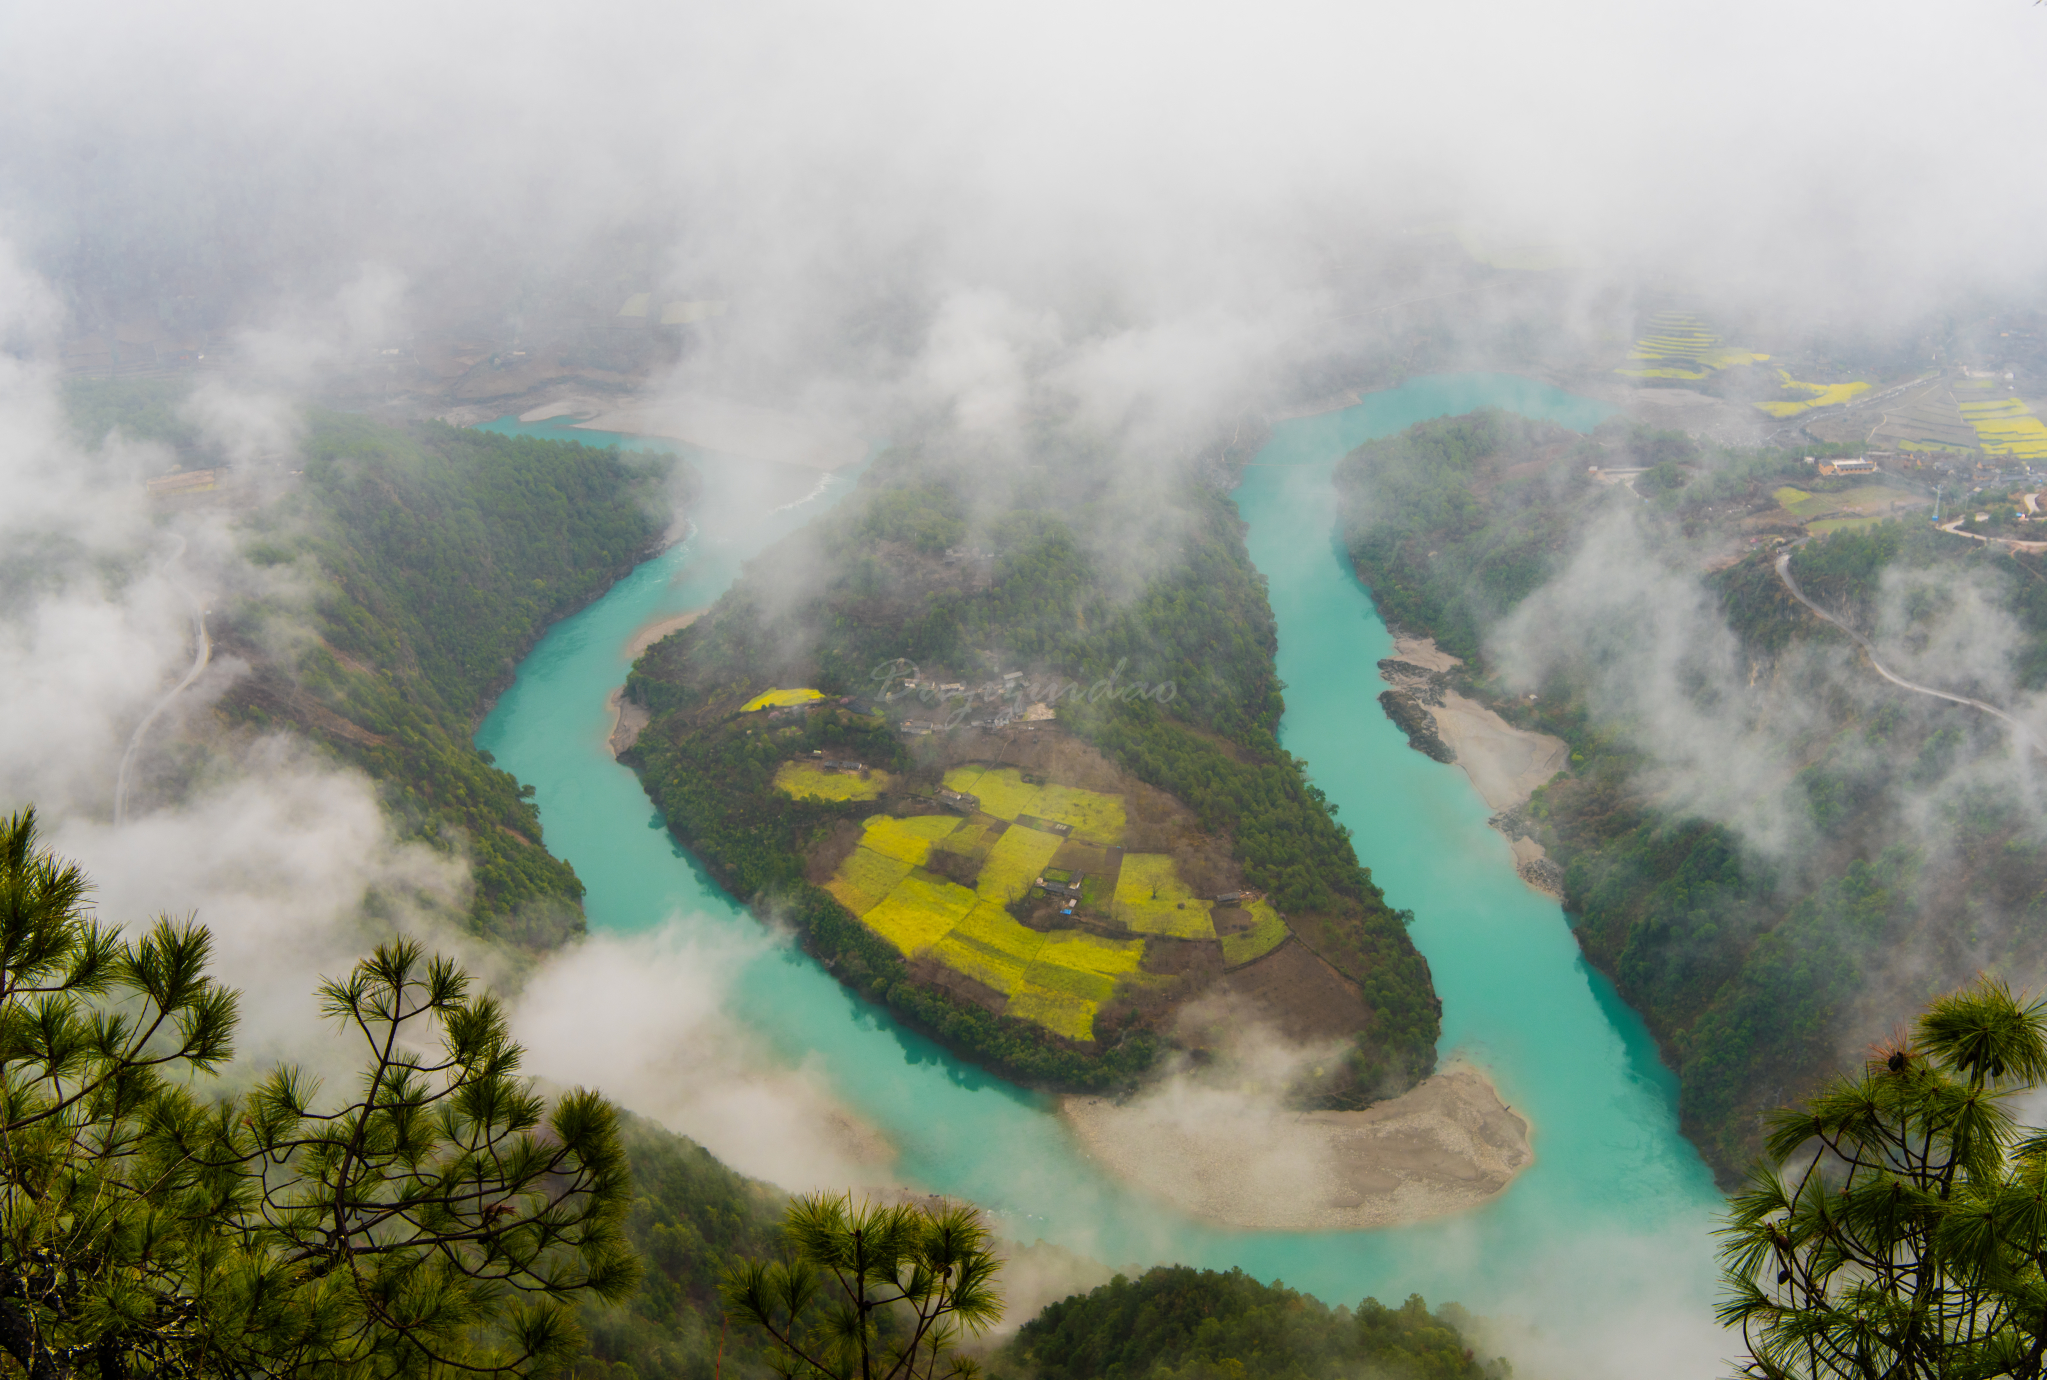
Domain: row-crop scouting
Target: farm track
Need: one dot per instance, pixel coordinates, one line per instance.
(202, 653)
(1784, 574)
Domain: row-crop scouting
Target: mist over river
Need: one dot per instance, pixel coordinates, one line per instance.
(1598, 1258)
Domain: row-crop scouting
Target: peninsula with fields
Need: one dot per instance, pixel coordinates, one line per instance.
(1048, 825)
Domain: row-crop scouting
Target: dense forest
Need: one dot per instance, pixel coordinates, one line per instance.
(691, 1219)
(1908, 861)
(1044, 580)
(1178, 1323)
(426, 560)
(438, 557)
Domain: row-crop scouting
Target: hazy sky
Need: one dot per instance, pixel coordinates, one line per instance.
(1136, 163)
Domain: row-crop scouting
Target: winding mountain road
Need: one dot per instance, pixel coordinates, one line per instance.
(1784, 574)
(202, 654)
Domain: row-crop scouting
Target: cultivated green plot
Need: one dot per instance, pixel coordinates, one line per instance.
(807, 780)
(1267, 933)
(866, 878)
(907, 839)
(1151, 898)
(1015, 861)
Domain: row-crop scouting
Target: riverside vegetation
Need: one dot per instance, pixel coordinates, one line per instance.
(907, 571)
(426, 560)
(438, 557)
(1753, 966)
(391, 520)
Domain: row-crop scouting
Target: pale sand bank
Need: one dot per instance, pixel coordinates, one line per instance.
(647, 634)
(738, 429)
(577, 405)
(1443, 1147)
(628, 721)
(1505, 763)
(1423, 652)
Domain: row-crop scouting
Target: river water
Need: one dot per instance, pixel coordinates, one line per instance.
(1601, 1250)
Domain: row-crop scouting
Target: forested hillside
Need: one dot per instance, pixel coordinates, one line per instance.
(691, 1219)
(1041, 582)
(426, 560)
(1902, 857)
(438, 556)
(1178, 1323)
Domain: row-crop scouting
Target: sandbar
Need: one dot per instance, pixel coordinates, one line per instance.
(1505, 763)
(652, 631)
(628, 721)
(736, 429)
(577, 405)
(1445, 1146)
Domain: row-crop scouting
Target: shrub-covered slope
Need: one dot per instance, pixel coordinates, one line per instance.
(1178, 1323)
(438, 557)
(1906, 859)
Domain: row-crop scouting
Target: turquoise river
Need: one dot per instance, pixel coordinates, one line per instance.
(1600, 1254)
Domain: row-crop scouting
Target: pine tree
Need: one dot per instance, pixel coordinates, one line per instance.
(439, 1217)
(1900, 1229)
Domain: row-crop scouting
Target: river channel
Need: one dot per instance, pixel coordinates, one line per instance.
(1601, 1251)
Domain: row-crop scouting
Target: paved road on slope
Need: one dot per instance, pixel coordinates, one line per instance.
(202, 654)
(1784, 574)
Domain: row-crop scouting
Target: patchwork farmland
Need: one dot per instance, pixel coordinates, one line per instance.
(1029, 902)
(2004, 425)
(1679, 345)
(1808, 397)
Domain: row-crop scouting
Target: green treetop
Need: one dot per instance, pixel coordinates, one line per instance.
(1900, 1229)
(870, 1292)
(437, 1218)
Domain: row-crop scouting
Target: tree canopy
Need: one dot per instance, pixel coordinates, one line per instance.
(1899, 1228)
(437, 1217)
(868, 1291)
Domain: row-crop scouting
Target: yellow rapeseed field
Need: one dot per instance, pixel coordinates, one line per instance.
(1095, 817)
(865, 878)
(1058, 980)
(1817, 395)
(1681, 346)
(908, 839)
(920, 912)
(774, 699)
(1014, 863)
(2006, 426)
(807, 780)
(1151, 898)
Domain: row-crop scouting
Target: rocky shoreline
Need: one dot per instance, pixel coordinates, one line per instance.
(1505, 763)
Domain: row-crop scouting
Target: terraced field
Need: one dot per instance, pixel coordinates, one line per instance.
(806, 780)
(1679, 345)
(1856, 507)
(1812, 396)
(1926, 420)
(2004, 425)
(1059, 978)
